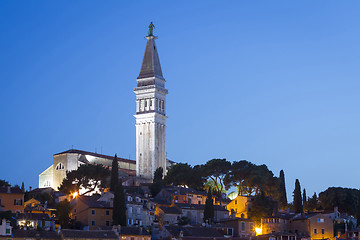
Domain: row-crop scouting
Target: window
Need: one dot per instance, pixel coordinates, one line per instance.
(199, 202)
(229, 231)
(145, 103)
(320, 220)
(92, 222)
(235, 201)
(315, 231)
(242, 226)
(92, 211)
(150, 103)
(107, 223)
(74, 210)
(60, 166)
(322, 231)
(129, 221)
(107, 212)
(8, 231)
(129, 210)
(17, 202)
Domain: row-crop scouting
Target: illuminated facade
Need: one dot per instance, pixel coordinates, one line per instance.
(72, 159)
(150, 114)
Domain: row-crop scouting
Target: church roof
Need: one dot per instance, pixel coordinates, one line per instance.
(151, 64)
(97, 155)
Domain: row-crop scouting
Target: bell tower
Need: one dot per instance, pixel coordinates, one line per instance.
(150, 112)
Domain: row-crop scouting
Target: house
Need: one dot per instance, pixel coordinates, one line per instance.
(20, 234)
(191, 232)
(140, 211)
(195, 212)
(181, 195)
(242, 227)
(279, 222)
(12, 199)
(70, 234)
(321, 224)
(92, 213)
(35, 221)
(5, 227)
(240, 205)
(277, 236)
(133, 233)
(166, 215)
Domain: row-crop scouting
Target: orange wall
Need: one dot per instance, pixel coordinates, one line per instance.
(7, 200)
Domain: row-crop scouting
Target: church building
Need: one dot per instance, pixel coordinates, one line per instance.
(150, 129)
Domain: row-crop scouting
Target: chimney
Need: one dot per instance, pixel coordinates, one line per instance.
(8, 189)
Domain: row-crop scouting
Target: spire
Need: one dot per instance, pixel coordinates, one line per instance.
(151, 64)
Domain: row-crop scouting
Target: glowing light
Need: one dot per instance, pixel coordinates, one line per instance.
(75, 194)
(258, 231)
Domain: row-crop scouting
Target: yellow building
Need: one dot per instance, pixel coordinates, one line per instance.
(240, 206)
(91, 212)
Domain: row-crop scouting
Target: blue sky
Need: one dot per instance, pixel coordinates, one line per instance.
(272, 82)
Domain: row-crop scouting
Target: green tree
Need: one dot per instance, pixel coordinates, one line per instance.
(179, 174)
(261, 206)
(158, 182)
(87, 176)
(22, 187)
(209, 208)
(4, 183)
(304, 200)
(63, 211)
(298, 207)
(312, 203)
(282, 190)
(216, 170)
(358, 210)
(114, 174)
(119, 208)
(346, 199)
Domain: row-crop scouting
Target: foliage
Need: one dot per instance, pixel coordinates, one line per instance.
(22, 187)
(183, 220)
(261, 206)
(87, 176)
(4, 183)
(312, 203)
(119, 209)
(304, 200)
(346, 199)
(282, 190)
(114, 174)
(158, 182)
(209, 208)
(182, 174)
(358, 210)
(42, 197)
(298, 206)
(251, 179)
(63, 211)
(6, 215)
(216, 170)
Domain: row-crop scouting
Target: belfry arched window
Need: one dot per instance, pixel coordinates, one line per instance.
(60, 166)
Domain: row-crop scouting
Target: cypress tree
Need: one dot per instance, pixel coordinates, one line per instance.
(358, 210)
(119, 208)
(22, 187)
(283, 198)
(304, 200)
(158, 182)
(114, 174)
(209, 208)
(298, 207)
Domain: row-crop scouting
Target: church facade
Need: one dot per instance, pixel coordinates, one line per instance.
(150, 130)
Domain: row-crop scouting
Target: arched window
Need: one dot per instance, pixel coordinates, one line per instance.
(60, 166)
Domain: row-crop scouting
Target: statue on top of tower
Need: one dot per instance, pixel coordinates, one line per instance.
(151, 29)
